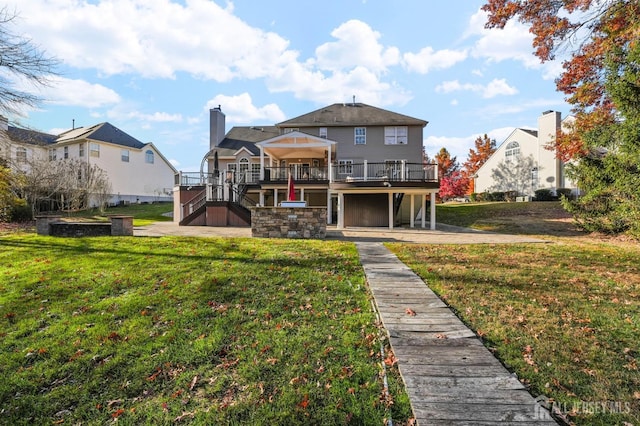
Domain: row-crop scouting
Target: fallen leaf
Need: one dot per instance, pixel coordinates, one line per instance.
(411, 312)
(193, 382)
(304, 403)
(441, 336)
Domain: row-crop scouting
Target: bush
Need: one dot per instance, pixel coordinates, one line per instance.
(510, 196)
(544, 194)
(564, 192)
(20, 211)
(474, 197)
(496, 196)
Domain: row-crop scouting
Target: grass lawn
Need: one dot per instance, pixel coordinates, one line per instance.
(143, 214)
(193, 330)
(565, 316)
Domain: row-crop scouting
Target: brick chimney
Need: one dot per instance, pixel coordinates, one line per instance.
(216, 126)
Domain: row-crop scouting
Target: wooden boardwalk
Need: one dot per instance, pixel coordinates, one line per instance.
(451, 378)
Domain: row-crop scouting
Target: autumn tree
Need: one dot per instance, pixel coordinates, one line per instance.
(452, 182)
(601, 80)
(484, 148)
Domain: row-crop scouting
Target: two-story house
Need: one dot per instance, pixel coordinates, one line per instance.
(364, 164)
(523, 163)
(137, 171)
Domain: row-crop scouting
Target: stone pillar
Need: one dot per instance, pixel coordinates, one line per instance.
(42, 224)
(121, 225)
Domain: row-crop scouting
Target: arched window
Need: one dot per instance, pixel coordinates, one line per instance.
(149, 156)
(512, 150)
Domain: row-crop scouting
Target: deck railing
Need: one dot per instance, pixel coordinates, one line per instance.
(337, 172)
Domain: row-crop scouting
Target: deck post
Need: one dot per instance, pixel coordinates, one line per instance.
(412, 213)
(390, 210)
(432, 220)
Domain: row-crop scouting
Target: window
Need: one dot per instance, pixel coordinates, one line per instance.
(242, 170)
(81, 150)
(94, 150)
(396, 135)
(65, 153)
(512, 150)
(292, 129)
(124, 155)
(323, 132)
(53, 154)
(345, 167)
(360, 135)
(255, 172)
(231, 172)
(21, 155)
(149, 157)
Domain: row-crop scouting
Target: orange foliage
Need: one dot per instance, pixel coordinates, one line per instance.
(604, 26)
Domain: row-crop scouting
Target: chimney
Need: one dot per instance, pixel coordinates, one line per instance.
(216, 126)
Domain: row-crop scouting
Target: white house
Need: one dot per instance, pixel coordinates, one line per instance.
(523, 162)
(137, 171)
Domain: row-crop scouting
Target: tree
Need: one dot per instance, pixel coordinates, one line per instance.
(20, 61)
(601, 79)
(600, 29)
(484, 148)
(452, 182)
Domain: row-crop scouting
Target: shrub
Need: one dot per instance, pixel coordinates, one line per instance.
(474, 197)
(564, 192)
(20, 211)
(495, 196)
(544, 194)
(510, 196)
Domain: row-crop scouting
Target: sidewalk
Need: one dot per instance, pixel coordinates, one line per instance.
(444, 234)
(450, 377)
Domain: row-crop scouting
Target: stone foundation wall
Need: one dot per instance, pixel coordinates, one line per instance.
(289, 222)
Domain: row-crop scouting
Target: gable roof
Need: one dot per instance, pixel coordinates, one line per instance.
(32, 137)
(103, 132)
(351, 114)
(245, 137)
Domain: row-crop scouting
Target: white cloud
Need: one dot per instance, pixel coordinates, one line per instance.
(357, 45)
(495, 45)
(240, 109)
(428, 59)
(155, 39)
(496, 87)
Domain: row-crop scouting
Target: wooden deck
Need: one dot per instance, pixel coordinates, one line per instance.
(450, 377)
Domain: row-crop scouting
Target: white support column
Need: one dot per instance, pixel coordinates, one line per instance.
(262, 198)
(329, 166)
(329, 210)
(423, 209)
(261, 163)
(366, 170)
(432, 220)
(275, 197)
(340, 210)
(391, 210)
(301, 194)
(412, 218)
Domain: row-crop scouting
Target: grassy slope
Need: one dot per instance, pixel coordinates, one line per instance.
(563, 316)
(209, 331)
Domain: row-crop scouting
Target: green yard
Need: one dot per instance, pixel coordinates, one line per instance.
(209, 331)
(204, 331)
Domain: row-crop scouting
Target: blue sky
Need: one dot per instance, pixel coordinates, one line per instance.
(154, 68)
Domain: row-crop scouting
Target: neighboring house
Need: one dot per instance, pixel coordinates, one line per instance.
(523, 164)
(137, 172)
(364, 164)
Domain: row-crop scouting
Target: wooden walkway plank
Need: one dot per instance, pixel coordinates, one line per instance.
(450, 377)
